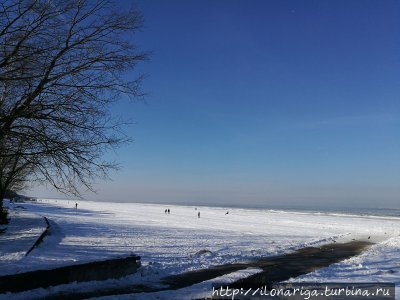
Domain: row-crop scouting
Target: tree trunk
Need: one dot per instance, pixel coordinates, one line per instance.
(3, 211)
(2, 195)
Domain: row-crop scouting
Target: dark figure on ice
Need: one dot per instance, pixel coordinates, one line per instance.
(198, 215)
(168, 211)
(227, 213)
(165, 211)
(76, 205)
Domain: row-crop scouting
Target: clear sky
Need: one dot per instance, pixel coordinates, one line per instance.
(264, 103)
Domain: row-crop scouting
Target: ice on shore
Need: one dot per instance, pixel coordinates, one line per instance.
(171, 243)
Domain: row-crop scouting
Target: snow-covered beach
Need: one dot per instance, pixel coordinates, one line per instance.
(181, 241)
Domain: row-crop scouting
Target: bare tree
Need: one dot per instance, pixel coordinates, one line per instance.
(15, 172)
(62, 63)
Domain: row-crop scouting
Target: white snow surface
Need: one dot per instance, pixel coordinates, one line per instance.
(168, 243)
(20, 235)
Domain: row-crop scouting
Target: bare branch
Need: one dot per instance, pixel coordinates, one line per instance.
(62, 63)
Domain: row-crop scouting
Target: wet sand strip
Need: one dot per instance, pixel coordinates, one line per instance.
(275, 269)
(299, 263)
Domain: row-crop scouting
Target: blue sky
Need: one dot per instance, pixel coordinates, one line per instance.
(264, 103)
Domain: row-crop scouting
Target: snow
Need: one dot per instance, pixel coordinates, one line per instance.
(170, 243)
(380, 263)
(20, 235)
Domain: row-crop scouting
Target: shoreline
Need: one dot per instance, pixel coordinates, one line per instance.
(386, 213)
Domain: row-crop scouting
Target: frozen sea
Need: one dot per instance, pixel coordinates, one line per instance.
(170, 243)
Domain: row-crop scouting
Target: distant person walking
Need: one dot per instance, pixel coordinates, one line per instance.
(168, 211)
(76, 205)
(198, 214)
